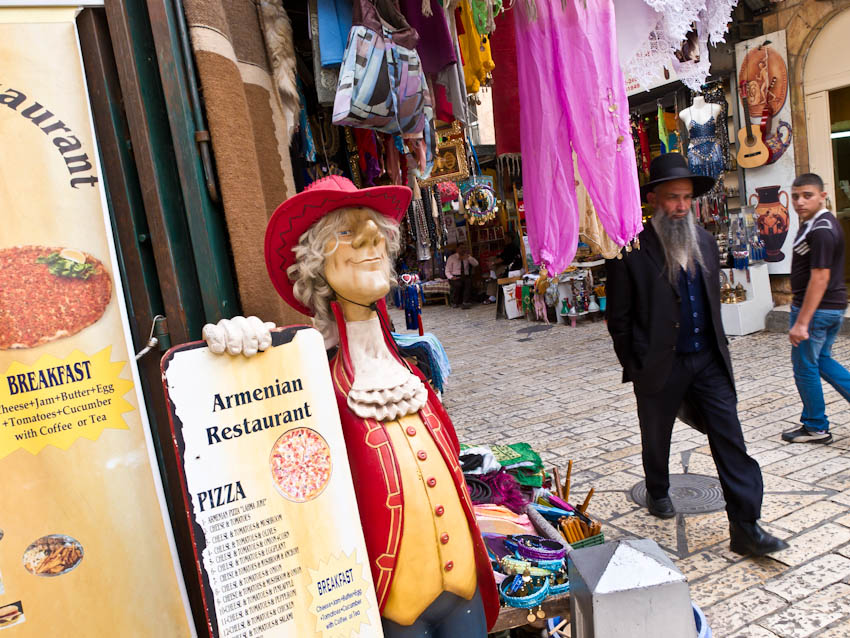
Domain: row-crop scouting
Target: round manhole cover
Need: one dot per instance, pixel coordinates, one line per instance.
(690, 493)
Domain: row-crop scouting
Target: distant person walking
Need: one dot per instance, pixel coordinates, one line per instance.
(817, 311)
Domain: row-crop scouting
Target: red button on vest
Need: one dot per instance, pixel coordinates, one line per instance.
(439, 510)
(444, 539)
(422, 454)
(449, 566)
(411, 431)
(432, 482)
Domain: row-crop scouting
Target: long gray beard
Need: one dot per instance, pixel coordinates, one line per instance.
(679, 241)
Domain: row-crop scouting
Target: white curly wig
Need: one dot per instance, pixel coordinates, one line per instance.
(307, 273)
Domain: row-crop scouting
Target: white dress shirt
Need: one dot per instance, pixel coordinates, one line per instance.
(455, 267)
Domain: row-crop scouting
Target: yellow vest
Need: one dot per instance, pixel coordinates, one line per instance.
(436, 553)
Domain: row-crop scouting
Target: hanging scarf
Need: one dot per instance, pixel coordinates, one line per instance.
(663, 136)
(506, 94)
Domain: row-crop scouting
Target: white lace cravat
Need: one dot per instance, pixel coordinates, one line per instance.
(383, 389)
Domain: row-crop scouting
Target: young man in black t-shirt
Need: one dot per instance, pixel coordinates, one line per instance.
(820, 297)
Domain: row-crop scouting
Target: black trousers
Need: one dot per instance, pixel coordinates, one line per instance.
(461, 289)
(449, 616)
(702, 378)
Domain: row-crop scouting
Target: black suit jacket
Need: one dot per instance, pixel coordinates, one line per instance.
(643, 310)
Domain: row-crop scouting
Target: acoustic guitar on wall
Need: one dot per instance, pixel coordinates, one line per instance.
(752, 151)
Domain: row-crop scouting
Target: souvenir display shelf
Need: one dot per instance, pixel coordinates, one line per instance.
(748, 316)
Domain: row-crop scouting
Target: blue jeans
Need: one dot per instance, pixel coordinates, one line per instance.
(812, 359)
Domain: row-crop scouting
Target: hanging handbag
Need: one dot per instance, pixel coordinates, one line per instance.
(382, 85)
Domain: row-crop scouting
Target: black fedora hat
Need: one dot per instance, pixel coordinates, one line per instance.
(670, 166)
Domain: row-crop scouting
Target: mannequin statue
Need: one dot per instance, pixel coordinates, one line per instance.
(329, 254)
(705, 155)
(700, 112)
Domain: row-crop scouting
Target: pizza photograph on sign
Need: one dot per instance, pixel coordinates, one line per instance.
(63, 291)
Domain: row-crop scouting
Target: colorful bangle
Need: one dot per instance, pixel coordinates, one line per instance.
(537, 548)
(524, 602)
(513, 565)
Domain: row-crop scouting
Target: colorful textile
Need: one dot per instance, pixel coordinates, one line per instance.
(573, 97)
(334, 25)
(372, 93)
(505, 87)
(452, 76)
(381, 82)
(474, 48)
(517, 455)
(367, 147)
(705, 157)
(663, 136)
(435, 48)
(522, 461)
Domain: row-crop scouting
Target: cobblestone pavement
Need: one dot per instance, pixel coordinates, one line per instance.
(559, 389)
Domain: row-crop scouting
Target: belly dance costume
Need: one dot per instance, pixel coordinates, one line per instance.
(705, 156)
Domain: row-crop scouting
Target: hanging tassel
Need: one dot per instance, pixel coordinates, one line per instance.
(426, 8)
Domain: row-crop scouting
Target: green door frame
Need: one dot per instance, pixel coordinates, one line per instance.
(170, 236)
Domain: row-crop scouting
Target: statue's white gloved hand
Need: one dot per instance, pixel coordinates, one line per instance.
(247, 335)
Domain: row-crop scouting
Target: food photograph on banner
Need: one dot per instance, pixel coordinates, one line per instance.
(766, 143)
(74, 437)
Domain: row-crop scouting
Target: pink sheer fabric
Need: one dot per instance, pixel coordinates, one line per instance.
(573, 96)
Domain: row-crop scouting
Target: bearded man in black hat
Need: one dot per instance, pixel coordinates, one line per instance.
(664, 318)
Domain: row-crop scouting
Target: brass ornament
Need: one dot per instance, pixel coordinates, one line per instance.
(450, 157)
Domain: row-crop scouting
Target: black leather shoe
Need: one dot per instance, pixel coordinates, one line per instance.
(750, 538)
(662, 507)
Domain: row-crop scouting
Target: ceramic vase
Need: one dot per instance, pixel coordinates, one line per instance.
(773, 219)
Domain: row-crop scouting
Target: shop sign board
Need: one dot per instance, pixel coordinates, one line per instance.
(665, 76)
(762, 65)
(269, 496)
(85, 544)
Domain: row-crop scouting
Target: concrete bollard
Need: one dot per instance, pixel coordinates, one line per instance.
(628, 589)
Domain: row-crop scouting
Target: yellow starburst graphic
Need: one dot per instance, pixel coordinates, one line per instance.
(57, 401)
(340, 597)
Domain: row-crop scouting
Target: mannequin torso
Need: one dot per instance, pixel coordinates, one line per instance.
(700, 112)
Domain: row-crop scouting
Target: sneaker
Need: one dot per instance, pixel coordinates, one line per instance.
(802, 435)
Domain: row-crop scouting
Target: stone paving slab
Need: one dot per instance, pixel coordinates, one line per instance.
(559, 389)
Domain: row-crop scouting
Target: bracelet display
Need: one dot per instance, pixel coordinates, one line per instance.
(535, 547)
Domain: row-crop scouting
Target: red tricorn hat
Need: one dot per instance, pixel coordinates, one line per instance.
(294, 217)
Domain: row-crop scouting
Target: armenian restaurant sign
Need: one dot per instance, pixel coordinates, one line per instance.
(269, 494)
(85, 549)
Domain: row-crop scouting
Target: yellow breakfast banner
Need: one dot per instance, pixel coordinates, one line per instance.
(86, 549)
(269, 494)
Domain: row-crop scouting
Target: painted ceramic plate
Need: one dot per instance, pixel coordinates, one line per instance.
(301, 464)
(53, 555)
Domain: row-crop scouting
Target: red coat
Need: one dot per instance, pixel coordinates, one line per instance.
(373, 464)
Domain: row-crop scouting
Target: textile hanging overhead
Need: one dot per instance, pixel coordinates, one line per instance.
(475, 49)
(251, 112)
(573, 97)
(506, 94)
(671, 41)
(590, 228)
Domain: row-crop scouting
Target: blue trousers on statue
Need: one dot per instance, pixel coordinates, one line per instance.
(812, 360)
(449, 616)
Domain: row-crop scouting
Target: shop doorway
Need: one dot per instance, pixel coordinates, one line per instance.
(826, 84)
(839, 120)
